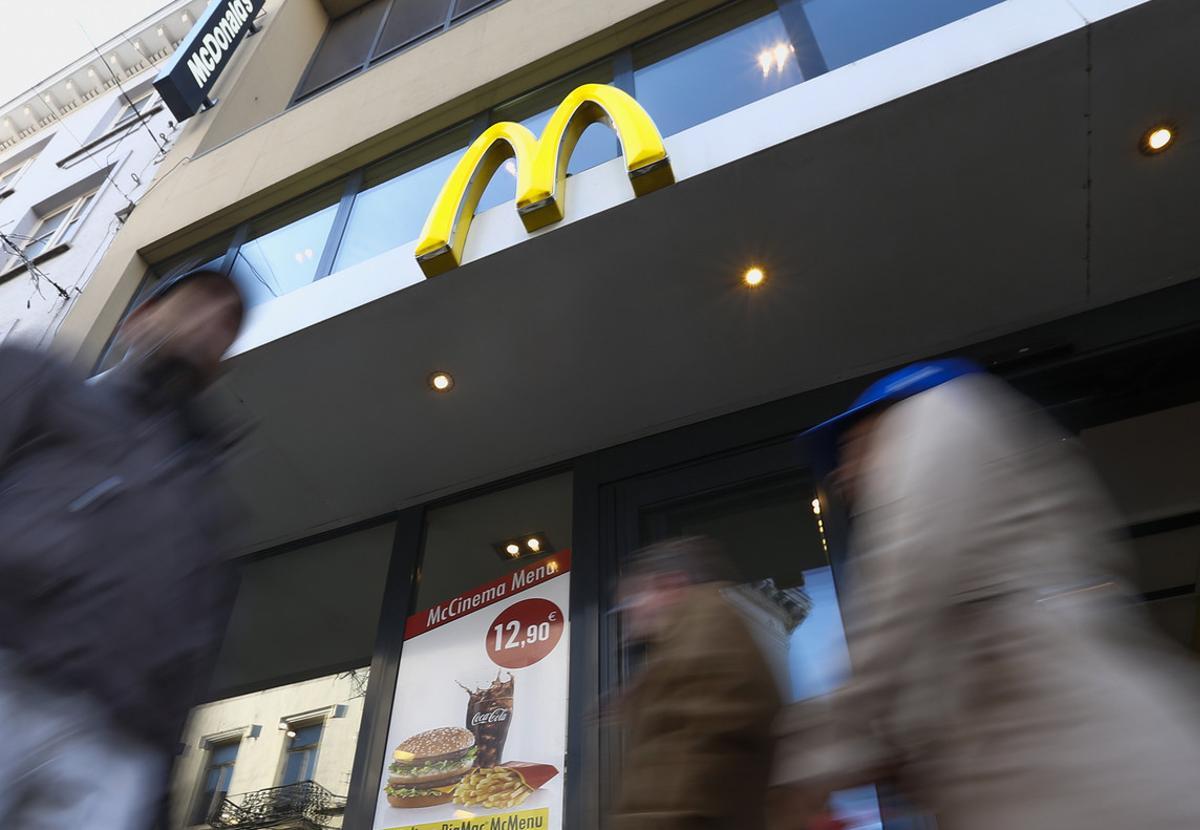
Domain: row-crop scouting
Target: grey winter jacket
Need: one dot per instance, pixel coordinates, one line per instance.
(112, 578)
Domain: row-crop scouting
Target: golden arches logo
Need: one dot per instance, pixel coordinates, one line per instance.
(541, 168)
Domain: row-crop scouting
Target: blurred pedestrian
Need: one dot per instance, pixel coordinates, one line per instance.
(1002, 676)
(113, 586)
(698, 718)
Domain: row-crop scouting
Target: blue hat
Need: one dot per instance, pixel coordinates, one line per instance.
(895, 387)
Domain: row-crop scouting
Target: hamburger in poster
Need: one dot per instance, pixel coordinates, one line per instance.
(426, 767)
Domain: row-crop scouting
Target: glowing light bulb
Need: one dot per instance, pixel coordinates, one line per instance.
(816, 506)
(1159, 139)
(441, 381)
(513, 549)
(533, 544)
(754, 277)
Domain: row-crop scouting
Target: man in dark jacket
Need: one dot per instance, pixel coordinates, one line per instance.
(698, 718)
(113, 589)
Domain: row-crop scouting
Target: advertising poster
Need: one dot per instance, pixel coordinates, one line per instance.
(479, 723)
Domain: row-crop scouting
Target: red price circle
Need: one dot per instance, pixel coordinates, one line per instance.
(524, 633)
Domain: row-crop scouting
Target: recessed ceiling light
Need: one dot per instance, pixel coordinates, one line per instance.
(534, 544)
(1157, 139)
(522, 545)
(754, 277)
(441, 382)
(513, 549)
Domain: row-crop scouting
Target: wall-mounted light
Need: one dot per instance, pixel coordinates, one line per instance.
(525, 544)
(441, 381)
(1157, 139)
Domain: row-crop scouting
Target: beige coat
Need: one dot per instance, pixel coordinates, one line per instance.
(1001, 675)
(698, 725)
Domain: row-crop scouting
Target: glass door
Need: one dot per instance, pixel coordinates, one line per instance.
(786, 542)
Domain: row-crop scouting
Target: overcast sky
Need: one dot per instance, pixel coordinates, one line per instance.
(43, 36)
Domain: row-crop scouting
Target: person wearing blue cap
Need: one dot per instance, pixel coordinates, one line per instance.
(114, 586)
(1001, 676)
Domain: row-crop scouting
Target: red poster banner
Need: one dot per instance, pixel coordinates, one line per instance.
(485, 595)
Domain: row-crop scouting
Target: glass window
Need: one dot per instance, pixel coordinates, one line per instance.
(345, 47)
(306, 611)
(129, 110)
(771, 530)
(460, 551)
(9, 176)
(848, 30)
(301, 762)
(597, 145)
(409, 20)
(214, 786)
(46, 232)
(462, 7)
(390, 213)
(284, 249)
(714, 65)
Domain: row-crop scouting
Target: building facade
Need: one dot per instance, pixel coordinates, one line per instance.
(77, 153)
(698, 228)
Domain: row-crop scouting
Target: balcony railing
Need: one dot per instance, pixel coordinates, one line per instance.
(305, 805)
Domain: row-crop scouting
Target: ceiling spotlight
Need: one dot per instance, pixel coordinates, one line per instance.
(522, 545)
(754, 277)
(441, 382)
(1157, 139)
(283, 726)
(291, 733)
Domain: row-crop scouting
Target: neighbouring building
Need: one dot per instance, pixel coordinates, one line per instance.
(77, 153)
(698, 228)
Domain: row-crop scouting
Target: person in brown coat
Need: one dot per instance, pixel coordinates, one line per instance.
(1002, 677)
(698, 719)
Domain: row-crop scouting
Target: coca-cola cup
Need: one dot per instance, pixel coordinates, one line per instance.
(489, 714)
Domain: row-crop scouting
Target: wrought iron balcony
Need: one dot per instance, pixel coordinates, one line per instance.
(305, 805)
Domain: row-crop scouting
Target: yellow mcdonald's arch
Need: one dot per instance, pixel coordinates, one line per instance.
(541, 168)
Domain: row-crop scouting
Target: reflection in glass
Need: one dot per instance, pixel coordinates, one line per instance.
(848, 30)
(775, 532)
(301, 762)
(283, 260)
(391, 213)
(255, 747)
(743, 64)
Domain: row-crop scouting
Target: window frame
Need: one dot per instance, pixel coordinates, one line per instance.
(373, 56)
(289, 750)
(134, 106)
(210, 746)
(77, 211)
(17, 170)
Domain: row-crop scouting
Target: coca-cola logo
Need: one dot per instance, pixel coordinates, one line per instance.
(494, 716)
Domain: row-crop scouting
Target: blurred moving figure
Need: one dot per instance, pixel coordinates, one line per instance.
(698, 717)
(113, 587)
(1001, 676)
